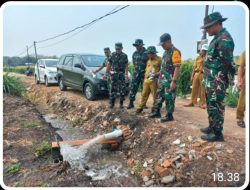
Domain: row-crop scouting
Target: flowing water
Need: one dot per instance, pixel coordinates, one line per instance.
(108, 168)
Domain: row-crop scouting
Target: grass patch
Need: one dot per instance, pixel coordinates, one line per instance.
(231, 98)
(137, 168)
(18, 69)
(30, 124)
(42, 148)
(44, 184)
(14, 168)
(12, 85)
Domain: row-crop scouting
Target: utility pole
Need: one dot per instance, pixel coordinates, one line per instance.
(27, 54)
(37, 66)
(204, 32)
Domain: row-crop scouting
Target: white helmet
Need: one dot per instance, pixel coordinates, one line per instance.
(204, 47)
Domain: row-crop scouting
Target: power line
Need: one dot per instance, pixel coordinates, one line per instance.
(79, 27)
(24, 51)
(50, 45)
(53, 44)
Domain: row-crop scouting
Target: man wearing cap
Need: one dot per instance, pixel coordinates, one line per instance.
(170, 66)
(196, 78)
(151, 76)
(139, 59)
(107, 53)
(118, 69)
(241, 84)
(219, 71)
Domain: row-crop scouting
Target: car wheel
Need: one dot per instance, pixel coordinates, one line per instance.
(36, 80)
(89, 91)
(46, 81)
(62, 86)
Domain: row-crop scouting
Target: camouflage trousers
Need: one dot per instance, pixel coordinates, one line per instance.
(215, 94)
(117, 85)
(137, 80)
(165, 94)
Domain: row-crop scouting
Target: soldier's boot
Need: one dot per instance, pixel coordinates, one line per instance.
(121, 104)
(168, 117)
(111, 104)
(206, 130)
(145, 107)
(139, 110)
(131, 104)
(155, 113)
(211, 137)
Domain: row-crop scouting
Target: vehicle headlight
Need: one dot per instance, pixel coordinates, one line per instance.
(94, 75)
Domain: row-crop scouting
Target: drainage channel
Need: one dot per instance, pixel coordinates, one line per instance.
(108, 168)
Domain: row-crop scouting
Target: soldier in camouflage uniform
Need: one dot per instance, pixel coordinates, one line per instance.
(118, 69)
(107, 53)
(140, 59)
(218, 73)
(171, 62)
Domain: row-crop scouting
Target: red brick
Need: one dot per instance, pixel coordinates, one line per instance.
(161, 171)
(166, 163)
(130, 162)
(145, 173)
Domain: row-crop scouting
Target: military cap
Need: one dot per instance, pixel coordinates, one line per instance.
(118, 45)
(164, 37)
(151, 49)
(212, 19)
(138, 42)
(106, 49)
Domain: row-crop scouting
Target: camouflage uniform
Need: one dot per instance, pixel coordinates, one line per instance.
(118, 63)
(218, 69)
(171, 58)
(140, 61)
(105, 63)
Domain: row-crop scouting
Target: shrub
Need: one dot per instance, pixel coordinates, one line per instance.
(131, 68)
(231, 98)
(12, 85)
(183, 81)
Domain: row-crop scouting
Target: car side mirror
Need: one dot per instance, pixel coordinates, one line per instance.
(42, 66)
(78, 65)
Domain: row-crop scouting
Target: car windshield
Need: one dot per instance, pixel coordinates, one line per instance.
(93, 60)
(51, 63)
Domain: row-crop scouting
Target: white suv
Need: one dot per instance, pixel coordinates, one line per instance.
(45, 71)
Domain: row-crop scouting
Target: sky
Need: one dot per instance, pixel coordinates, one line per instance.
(24, 24)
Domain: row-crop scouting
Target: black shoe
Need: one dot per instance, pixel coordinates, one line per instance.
(121, 104)
(169, 117)
(241, 124)
(155, 114)
(139, 110)
(145, 107)
(212, 137)
(206, 130)
(131, 105)
(111, 103)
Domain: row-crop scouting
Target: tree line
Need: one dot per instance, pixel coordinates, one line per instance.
(19, 61)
